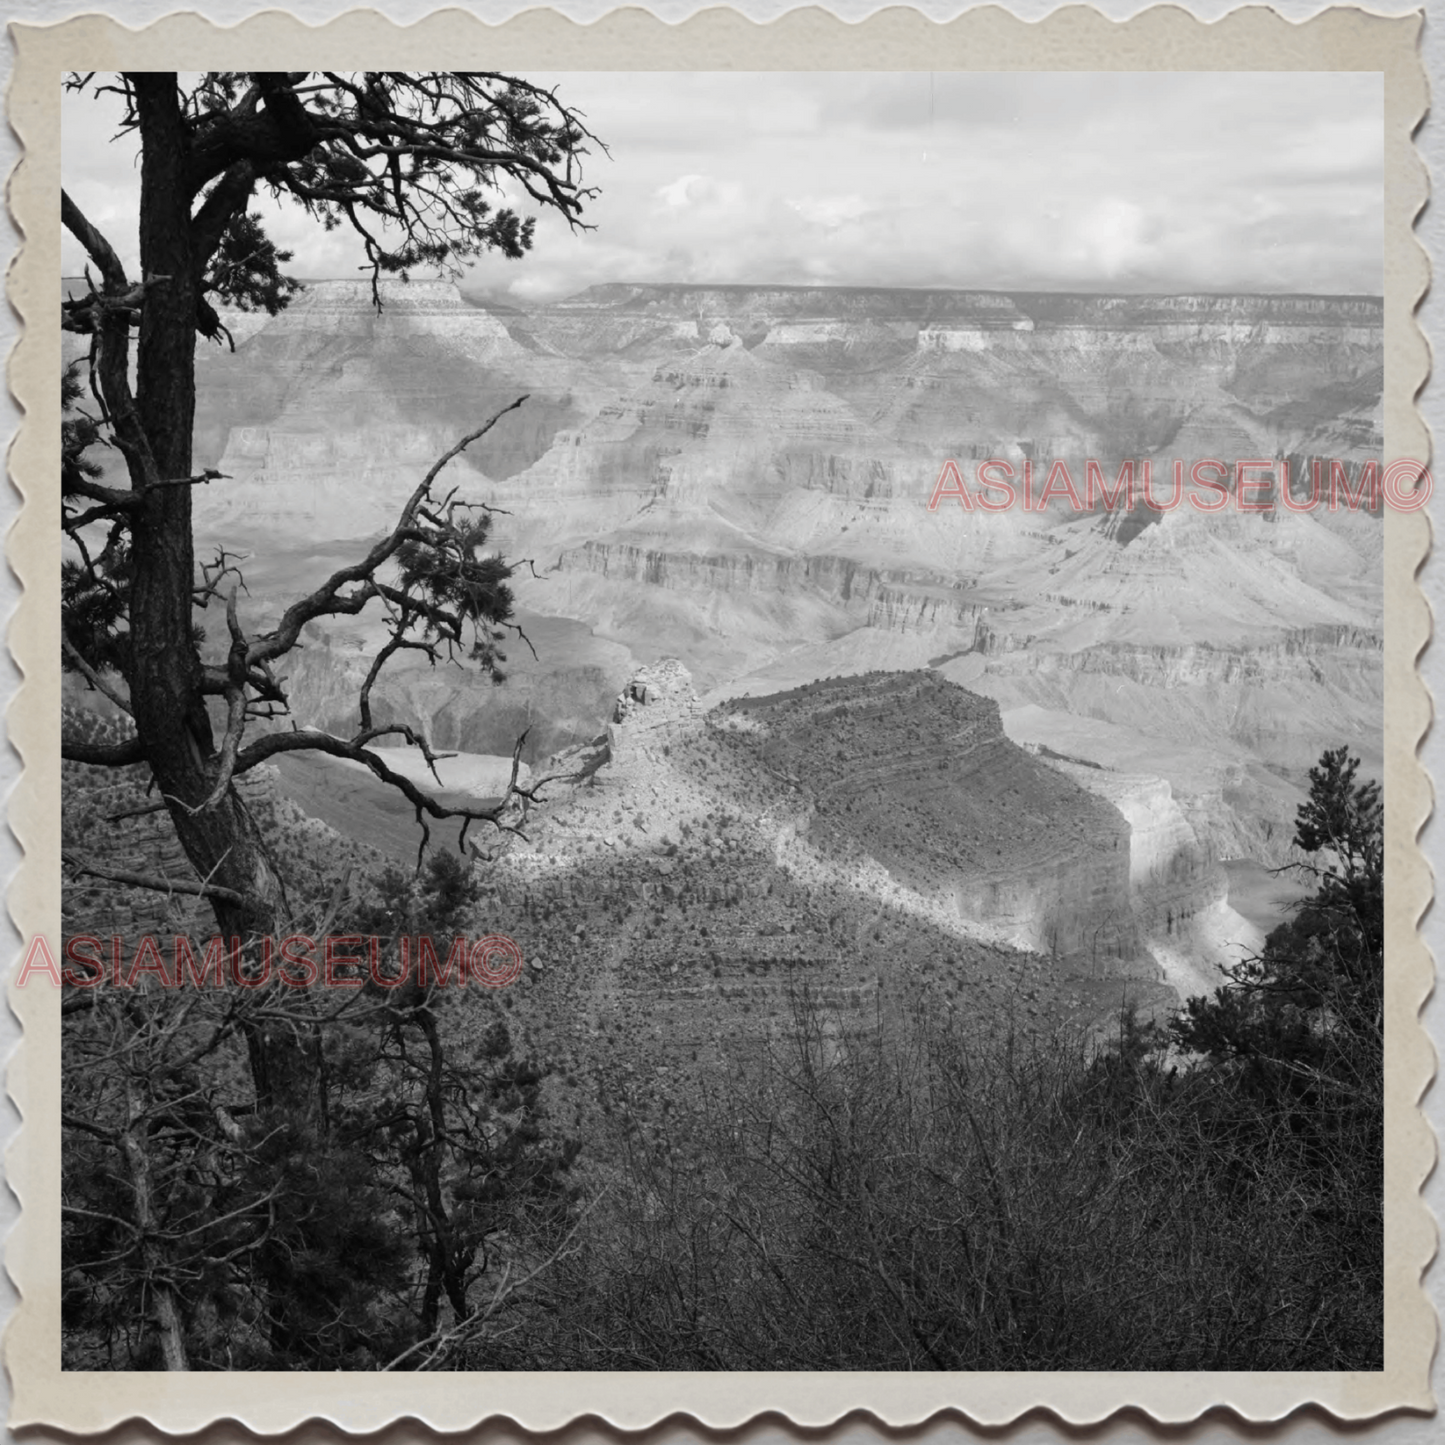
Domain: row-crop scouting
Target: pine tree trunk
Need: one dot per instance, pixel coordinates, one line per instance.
(223, 842)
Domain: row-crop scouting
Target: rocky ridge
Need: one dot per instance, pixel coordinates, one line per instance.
(864, 847)
(706, 867)
(738, 476)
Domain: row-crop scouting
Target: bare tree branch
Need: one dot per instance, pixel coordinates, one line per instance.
(92, 676)
(104, 755)
(324, 600)
(96, 246)
(155, 885)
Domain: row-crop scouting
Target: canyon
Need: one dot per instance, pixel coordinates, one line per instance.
(738, 478)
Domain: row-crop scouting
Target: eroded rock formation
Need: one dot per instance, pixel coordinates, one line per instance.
(738, 476)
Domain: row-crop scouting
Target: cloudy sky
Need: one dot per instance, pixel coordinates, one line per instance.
(1106, 182)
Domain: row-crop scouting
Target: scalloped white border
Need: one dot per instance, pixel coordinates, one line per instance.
(1075, 38)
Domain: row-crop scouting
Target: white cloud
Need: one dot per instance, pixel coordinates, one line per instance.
(1112, 236)
(830, 211)
(1119, 181)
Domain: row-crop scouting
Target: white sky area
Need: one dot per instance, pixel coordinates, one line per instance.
(1178, 182)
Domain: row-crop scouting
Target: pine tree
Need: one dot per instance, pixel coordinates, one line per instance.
(1307, 1014)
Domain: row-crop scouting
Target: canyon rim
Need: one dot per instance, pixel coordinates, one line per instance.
(737, 478)
(822, 813)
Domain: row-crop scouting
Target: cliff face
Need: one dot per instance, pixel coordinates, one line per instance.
(1178, 893)
(739, 476)
(920, 307)
(1282, 702)
(867, 596)
(327, 414)
(761, 393)
(711, 871)
(979, 374)
(917, 774)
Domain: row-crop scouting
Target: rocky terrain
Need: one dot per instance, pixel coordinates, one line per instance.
(917, 774)
(738, 477)
(697, 883)
(716, 867)
(869, 841)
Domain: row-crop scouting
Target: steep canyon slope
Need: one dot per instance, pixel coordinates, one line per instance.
(715, 865)
(739, 477)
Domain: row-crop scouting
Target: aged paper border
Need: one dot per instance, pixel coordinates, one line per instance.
(1077, 38)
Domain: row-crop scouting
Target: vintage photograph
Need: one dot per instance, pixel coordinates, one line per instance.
(723, 721)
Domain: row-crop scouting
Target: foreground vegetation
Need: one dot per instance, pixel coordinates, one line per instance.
(263, 1177)
(924, 1207)
(1207, 1196)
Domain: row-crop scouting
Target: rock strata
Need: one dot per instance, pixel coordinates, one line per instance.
(738, 476)
(918, 774)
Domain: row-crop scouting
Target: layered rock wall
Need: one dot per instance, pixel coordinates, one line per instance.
(917, 774)
(1283, 701)
(740, 476)
(898, 602)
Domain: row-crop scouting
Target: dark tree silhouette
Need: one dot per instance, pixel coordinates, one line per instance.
(412, 163)
(1305, 1018)
(205, 1228)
